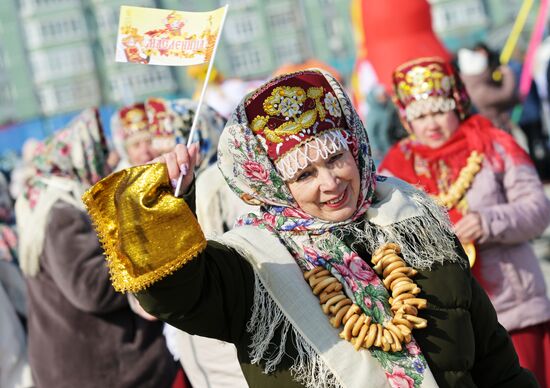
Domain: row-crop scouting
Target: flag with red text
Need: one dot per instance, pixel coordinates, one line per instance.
(166, 37)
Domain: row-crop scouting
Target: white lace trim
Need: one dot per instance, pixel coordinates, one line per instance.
(418, 108)
(321, 146)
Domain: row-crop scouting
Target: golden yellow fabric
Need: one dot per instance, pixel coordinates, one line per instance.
(146, 232)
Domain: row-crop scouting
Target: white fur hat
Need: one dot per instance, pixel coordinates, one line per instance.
(472, 62)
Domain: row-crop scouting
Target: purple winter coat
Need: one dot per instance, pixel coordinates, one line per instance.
(513, 210)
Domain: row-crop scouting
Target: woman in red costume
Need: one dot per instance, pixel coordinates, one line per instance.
(489, 185)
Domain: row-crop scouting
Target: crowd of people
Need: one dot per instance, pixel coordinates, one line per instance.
(310, 247)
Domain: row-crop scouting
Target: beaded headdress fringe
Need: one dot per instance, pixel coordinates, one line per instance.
(429, 105)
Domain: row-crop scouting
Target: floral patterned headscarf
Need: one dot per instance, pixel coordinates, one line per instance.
(65, 165)
(209, 127)
(251, 173)
(249, 170)
(77, 153)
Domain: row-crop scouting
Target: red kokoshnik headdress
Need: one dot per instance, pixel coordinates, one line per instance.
(295, 110)
(428, 85)
(130, 123)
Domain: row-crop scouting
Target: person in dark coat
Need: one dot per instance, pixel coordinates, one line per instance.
(530, 122)
(342, 278)
(81, 333)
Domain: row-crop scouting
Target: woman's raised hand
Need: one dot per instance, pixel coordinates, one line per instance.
(181, 160)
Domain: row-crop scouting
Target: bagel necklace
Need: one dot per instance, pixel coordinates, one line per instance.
(359, 329)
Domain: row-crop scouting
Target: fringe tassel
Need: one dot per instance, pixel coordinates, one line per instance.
(308, 368)
(424, 239)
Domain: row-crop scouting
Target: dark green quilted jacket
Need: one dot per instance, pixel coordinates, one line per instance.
(464, 344)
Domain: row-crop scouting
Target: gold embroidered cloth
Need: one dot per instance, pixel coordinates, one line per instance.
(146, 232)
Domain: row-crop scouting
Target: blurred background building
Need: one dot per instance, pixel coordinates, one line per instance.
(57, 56)
(460, 23)
(463, 23)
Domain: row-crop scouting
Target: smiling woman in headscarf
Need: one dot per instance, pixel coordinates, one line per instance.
(342, 279)
(81, 332)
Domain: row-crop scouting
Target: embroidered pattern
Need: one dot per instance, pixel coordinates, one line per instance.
(429, 105)
(288, 102)
(428, 85)
(331, 104)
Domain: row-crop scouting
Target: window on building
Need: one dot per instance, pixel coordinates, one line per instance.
(67, 27)
(244, 27)
(238, 4)
(290, 50)
(450, 16)
(107, 16)
(283, 17)
(125, 86)
(334, 32)
(509, 8)
(62, 63)
(252, 60)
(3, 64)
(74, 95)
(109, 49)
(107, 19)
(29, 7)
(6, 94)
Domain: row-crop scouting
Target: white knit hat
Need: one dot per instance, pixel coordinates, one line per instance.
(472, 62)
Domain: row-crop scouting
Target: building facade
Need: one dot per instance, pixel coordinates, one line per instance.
(259, 35)
(503, 14)
(467, 22)
(460, 23)
(17, 98)
(61, 52)
(57, 56)
(125, 83)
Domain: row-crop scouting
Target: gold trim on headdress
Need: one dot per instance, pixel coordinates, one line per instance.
(134, 120)
(146, 232)
(288, 102)
(424, 86)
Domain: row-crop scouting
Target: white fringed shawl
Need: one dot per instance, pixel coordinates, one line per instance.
(283, 300)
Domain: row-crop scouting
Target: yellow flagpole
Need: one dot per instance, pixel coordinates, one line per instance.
(357, 27)
(512, 40)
